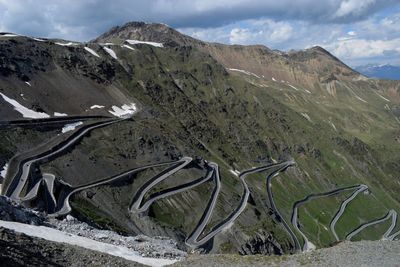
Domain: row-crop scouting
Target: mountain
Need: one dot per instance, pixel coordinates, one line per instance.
(380, 71)
(225, 149)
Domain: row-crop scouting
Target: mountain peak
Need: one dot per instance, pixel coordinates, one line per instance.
(154, 32)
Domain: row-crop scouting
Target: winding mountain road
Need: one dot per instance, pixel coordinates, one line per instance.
(49, 121)
(391, 214)
(61, 206)
(292, 235)
(297, 204)
(24, 169)
(339, 213)
(193, 239)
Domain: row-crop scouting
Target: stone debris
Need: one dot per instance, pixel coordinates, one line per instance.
(155, 247)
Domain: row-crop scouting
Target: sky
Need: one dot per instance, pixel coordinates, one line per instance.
(358, 32)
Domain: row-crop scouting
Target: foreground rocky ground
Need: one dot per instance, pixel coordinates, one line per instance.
(29, 238)
(21, 250)
(364, 253)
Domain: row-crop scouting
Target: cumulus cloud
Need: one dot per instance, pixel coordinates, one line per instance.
(261, 32)
(362, 48)
(76, 19)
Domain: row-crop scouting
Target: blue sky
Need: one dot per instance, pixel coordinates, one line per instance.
(356, 31)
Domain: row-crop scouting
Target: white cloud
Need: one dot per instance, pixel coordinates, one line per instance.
(262, 32)
(353, 8)
(82, 20)
(240, 36)
(362, 48)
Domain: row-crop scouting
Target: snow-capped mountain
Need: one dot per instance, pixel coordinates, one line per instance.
(385, 71)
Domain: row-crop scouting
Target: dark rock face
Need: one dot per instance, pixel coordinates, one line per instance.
(262, 243)
(10, 211)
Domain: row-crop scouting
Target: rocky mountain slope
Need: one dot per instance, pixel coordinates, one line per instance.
(172, 136)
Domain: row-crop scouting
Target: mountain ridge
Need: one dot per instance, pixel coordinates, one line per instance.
(162, 33)
(385, 71)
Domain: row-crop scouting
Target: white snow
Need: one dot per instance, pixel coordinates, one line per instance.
(91, 51)
(126, 111)
(273, 79)
(96, 106)
(235, 172)
(305, 115)
(246, 72)
(39, 40)
(359, 98)
(133, 42)
(28, 83)
(293, 87)
(58, 114)
(333, 126)
(70, 126)
(26, 112)
(110, 52)
(307, 91)
(61, 237)
(9, 35)
(4, 171)
(384, 98)
(129, 47)
(66, 44)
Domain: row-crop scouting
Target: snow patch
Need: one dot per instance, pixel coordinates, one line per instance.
(126, 111)
(384, 98)
(110, 52)
(96, 106)
(333, 126)
(129, 47)
(9, 35)
(4, 171)
(39, 40)
(359, 98)
(246, 72)
(91, 51)
(28, 83)
(26, 112)
(305, 115)
(235, 172)
(61, 237)
(70, 126)
(58, 114)
(66, 44)
(293, 87)
(133, 42)
(273, 79)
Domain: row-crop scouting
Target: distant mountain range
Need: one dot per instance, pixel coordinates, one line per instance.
(380, 71)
